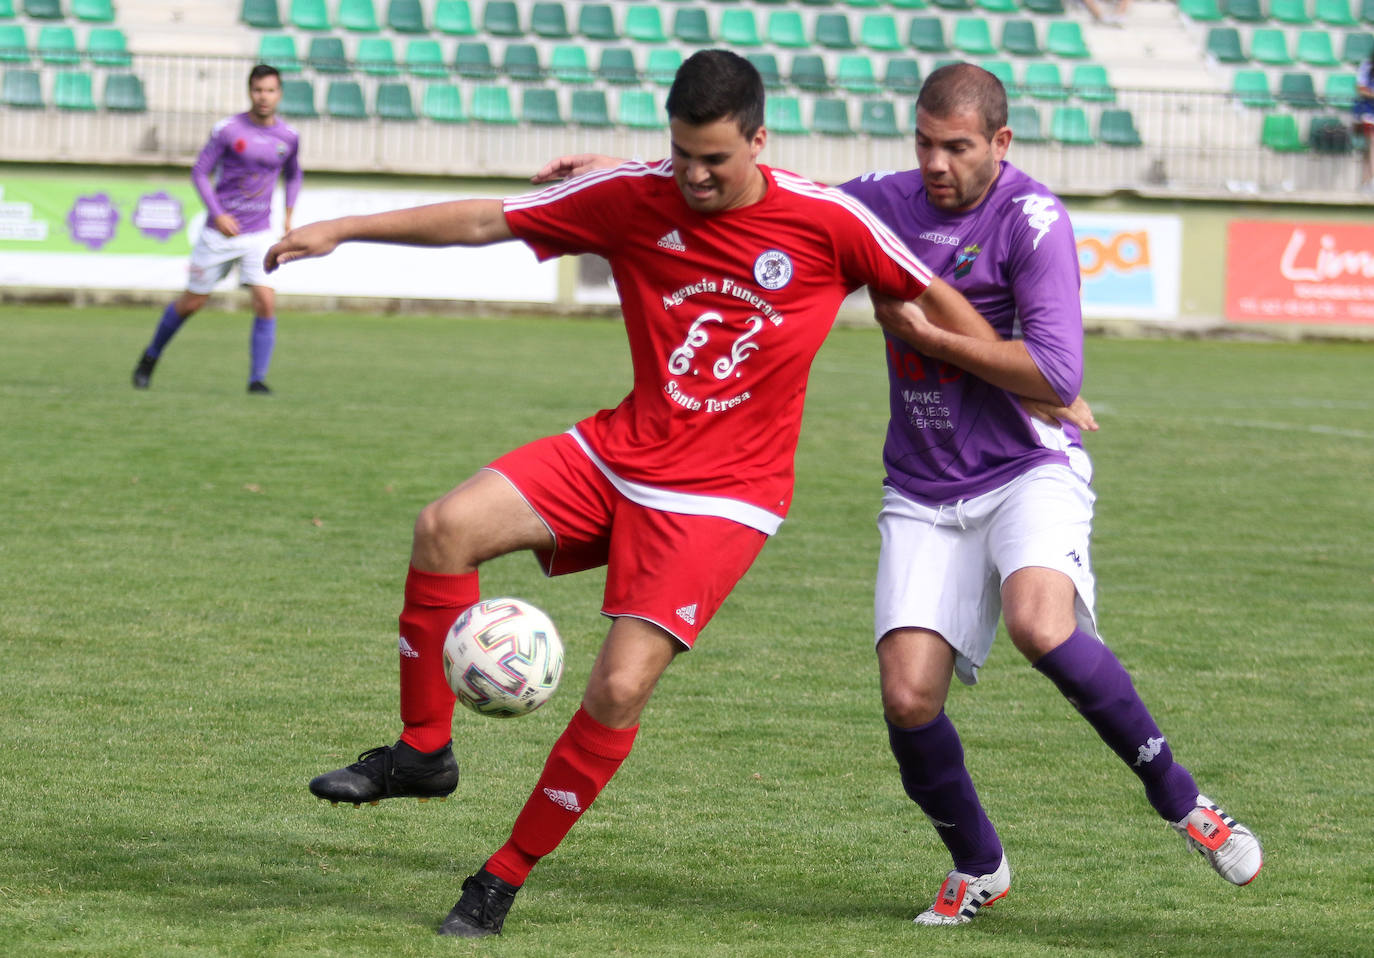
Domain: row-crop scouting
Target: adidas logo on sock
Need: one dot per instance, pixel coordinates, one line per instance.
(565, 800)
(407, 649)
(688, 614)
(673, 240)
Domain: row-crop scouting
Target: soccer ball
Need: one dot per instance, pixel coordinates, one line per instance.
(503, 657)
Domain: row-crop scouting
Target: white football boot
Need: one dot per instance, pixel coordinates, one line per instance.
(1229, 847)
(962, 895)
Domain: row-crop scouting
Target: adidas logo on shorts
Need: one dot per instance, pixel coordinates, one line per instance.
(688, 614)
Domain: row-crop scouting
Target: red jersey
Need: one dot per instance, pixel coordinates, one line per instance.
(724, 313)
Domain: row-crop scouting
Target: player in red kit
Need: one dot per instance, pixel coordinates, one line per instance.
(730, 275)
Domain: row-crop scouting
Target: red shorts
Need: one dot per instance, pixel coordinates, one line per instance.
(669, 569)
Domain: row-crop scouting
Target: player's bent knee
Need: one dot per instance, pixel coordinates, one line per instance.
(908, 707)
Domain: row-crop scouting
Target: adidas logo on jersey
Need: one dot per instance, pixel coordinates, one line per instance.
(565, 800)
(673, 240)
(407, 649)
(688, 614)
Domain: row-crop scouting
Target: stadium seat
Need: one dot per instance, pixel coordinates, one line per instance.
(1050, 8)
(927, 34)
(443, 102)
(596, 21)
(521, 62)
(343, 100)
(1018, 38)
(297, 98)
(739, 28)
(326, 55)
(996, 6)
(360, 16)
(550, 21)
(1064, 38)
(108, 47)
(1338, 92)
(274, 49)
(903, 75)
(908, 4)
(782, 114)
(93, 11)
(618, 65)
(1270, 45)
(767, 65)
(1117, 128)
(662, 65)
(376, 57)
(472, 60)
(424, 58)
(43, 9)
(589, 108)
(1367, 11)
(569, 64)
(637, 109)
(643, 24)
(1334, 13)
(952, 4)
(808, 72)
(491, 104)
(1203, 11)
(1024, 121)
(539, 106)
(453, 17)
(393, 101)
(262, 14)
(1246, 11)
(973, 36)
(832, 32)
(1291, 12)
(1002, 69)
(1069, 125)
(830, 116)
(878, 31)
(71, 90)
(1251, 88)
(1329, 134)
(406, 16)
(124, 93)
(501, 18)
(1356, 46)
(1043, 81)
(1223, 44)
(1089, 82)
(878, 118)
(57, 45)
(785, 29)
(309, 15)
(1279, 132)
(854, 72)
(14, 44)
(1314, 48)
(22, 89)
(1298, 90)
(691, 27)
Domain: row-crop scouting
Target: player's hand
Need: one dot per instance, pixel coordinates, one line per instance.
(226, 224)
(574, 164)
(907, 321)
(1077, 413)
(316, 239)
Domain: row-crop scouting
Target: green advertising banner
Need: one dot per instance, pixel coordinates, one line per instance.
(114, 215)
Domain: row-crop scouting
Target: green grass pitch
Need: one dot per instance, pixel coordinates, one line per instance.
(198, 593)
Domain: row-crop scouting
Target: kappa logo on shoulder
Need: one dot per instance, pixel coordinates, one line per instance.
(673, 240)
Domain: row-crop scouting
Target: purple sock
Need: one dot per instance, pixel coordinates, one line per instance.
(167, 327)
(1096, 684)
(931, 760)
(264, 338)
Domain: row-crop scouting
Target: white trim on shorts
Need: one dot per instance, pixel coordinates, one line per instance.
(214, 255)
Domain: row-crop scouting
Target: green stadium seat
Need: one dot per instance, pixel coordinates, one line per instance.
(1024, 121)
(1279, 132)
(124, 93)
(927, 34)
(550, 21)
(569, 64)
(861, 4)
(1223, 44)
(501, 18)
(589, 108)
(909, 4)
(767, 65)
(662, 65)
(93, 11)
(343, 100)
(878, 31)
(1251, 88)
(1089, 82)
(539, 106)
(1018, 38)
(1246, 11)
(453, 17)
(443, 102)
(832, 32)
(406, 16)
(1334, 13)
(643, 24)
(854, 72)
(782, 114)
(996, 6)
(1292, 12)
(973, 36)
(1356, 46)
(785, 29)
(43, 9)
(297, 98)
(108, 47)
(1117, 128)
(1002, 69)
(691, 27)
(14, 44)
(739, 28)
(1339, 91)
(71, 90)
(1203, 11)
(1069, 125)
(22, 89)
(618, 65)
(596, 21)
(309, 15)
(57, 45)
(262, 14)
(6, 9)
(1314, 48)
(376, 57)
(1367, 11)
(1329, 134)
(472, 60)
(808, 72)
(393, 101)
(491, 104)
(360, 16)
(425, 58)
(903, 75)
(1050, 8)
(1270, 45)
(326, 55)
(274, 49)
(521, 62)
(831, 117)
(953, 4)
(1043, 81)
(1298, 90)
(638, 110)
(878, 118)
(1064, 38)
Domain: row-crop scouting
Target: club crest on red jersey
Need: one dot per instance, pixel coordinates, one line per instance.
(773, 269)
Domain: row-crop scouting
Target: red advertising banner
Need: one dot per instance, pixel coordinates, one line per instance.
(1299, 272)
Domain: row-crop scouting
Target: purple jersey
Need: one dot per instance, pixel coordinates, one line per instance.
(951, 435)
(249, 157)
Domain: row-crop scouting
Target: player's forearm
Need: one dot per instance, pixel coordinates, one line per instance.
(1007, 364)
(456, 223)
(947, 308)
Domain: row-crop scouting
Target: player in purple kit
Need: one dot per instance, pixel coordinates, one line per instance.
(988, 510)
(251, 151)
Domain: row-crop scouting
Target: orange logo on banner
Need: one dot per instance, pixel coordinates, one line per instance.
(1299, 272)
(1125, 252)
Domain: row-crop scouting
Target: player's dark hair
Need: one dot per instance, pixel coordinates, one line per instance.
(715, 85)
(263, 70)
(956, 87)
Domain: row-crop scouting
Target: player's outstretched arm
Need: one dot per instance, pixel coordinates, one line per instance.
(574, 164)
(457, 223)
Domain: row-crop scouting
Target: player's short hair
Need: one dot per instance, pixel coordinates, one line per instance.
(957, 87)
(263, 70)
(715, 85)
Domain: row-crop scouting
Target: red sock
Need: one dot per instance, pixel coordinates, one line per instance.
(582, 761)
(433, 601)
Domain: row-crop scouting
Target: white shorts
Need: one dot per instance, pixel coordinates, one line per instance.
(215, 254)
(942, 568)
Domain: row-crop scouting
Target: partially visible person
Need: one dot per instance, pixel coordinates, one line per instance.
(1363, 108)
(251, 150)
(1116, 17)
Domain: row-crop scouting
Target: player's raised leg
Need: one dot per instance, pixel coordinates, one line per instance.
(173, 316)
(483, 518)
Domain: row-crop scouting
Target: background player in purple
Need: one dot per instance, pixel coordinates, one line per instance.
(251, 151)
(988, 510)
